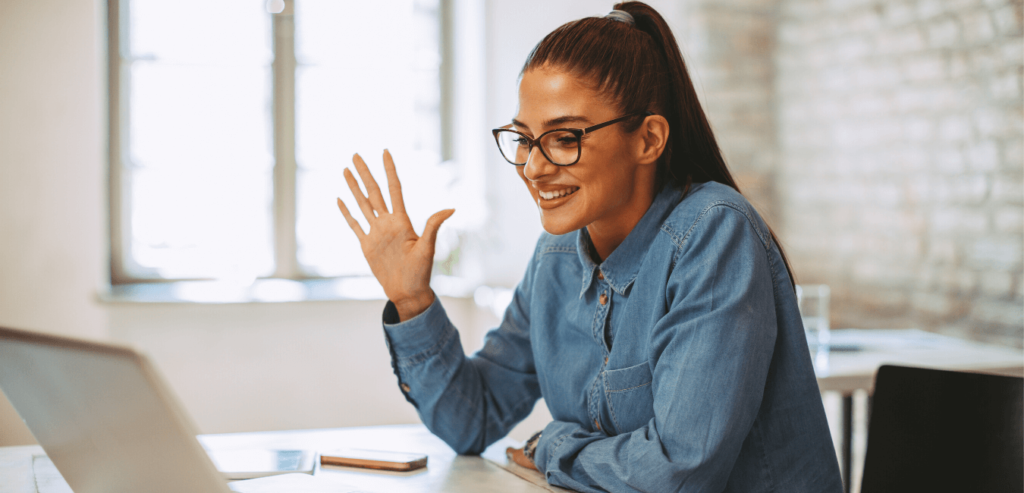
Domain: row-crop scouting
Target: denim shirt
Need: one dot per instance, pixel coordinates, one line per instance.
(677, 364)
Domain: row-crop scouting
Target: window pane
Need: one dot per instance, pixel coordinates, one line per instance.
(200, 222)
(199, 161)
(362, 87)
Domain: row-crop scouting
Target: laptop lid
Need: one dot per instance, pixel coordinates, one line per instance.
(103, 415)
(936, 430)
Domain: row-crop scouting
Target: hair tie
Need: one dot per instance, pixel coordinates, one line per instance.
(621, 16)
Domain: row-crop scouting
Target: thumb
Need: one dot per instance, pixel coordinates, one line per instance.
(434, 223)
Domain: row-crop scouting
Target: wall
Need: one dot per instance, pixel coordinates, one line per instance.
(728, 47)
(52, 173)
(900, 171)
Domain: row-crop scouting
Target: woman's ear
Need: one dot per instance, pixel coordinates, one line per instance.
(652, 137)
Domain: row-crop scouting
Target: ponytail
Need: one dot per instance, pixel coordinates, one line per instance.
(641, 69)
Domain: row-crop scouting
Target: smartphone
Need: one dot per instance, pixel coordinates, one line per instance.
(374, 459)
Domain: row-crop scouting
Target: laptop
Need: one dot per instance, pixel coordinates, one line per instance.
(937, 430)
(104, 416)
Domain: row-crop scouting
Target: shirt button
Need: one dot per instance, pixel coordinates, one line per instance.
(600, 275)
(405, 387)
(597, 425)
(606, 360)
(603, 299)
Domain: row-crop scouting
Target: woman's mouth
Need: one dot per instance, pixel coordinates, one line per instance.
(557, 194)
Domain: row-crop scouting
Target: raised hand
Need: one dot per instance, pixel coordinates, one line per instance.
(400, 260)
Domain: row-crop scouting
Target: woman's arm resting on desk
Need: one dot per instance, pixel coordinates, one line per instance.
(399, 259)
(710, 355)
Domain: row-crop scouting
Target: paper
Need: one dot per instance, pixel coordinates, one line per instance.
(292, 483)
(48, 478)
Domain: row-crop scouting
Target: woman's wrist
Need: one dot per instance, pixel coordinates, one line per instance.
(409, 307)
(530, 448)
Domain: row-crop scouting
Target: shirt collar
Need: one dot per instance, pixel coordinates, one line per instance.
(621, 267)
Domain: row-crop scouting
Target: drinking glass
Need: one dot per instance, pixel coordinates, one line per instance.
(813, 302)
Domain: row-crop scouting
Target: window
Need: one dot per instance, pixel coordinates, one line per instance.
(230, 126)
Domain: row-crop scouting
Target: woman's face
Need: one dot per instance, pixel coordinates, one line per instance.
(607, 188)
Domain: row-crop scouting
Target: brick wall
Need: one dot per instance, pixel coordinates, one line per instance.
(729, 47)
(899, 173)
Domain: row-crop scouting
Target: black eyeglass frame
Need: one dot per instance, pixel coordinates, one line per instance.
(578, 132)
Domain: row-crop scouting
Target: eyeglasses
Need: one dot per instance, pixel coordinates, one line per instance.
(560, 146)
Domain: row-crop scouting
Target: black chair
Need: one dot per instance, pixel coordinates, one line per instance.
(936, 431)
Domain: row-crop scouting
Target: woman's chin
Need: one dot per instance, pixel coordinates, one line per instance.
(558, 225)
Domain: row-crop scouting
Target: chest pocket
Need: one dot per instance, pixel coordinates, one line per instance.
(630, 397)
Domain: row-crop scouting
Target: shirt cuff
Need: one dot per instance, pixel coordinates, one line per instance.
(419, 333)
(554, 434)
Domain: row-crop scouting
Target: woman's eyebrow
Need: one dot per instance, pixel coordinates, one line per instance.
(554, 122)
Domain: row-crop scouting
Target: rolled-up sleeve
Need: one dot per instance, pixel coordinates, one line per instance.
(709, 354)
(469, 402)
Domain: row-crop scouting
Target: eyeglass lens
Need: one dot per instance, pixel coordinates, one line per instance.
(560, 147)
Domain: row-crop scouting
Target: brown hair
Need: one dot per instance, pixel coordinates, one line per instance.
(640, 68)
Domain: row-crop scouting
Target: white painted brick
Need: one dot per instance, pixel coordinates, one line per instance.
(1008, 20)
(897, 13)
(984, 156)
(958, 221)
(942, 252)
(959, 65)
(978, 28)
(925, 68)
(954, 129)
(933, 304)
(918, 129)
(853, 48)
(997, 252)
(990, 122)
(927, 9)
(1011, 53)
(912, 158)
(905, 40)
(996, 284)
(1006, 86)
(1013, 155)
(1006, 313)
(1008, 220)
(943, 33)
(865, 20)
(1008, 189)
(949, 159)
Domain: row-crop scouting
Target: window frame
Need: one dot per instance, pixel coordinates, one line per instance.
(123, 271)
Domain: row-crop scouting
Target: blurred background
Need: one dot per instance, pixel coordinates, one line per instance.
(168, 172)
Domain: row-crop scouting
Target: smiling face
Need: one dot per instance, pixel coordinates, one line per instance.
(608, 190)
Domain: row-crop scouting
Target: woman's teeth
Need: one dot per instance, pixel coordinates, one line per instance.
(557, 193)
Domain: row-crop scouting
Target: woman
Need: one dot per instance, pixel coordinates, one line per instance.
(657, 316)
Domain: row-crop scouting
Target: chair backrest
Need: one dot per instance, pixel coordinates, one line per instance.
(935, 430)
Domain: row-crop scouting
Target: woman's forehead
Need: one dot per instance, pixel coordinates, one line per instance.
(547, 94)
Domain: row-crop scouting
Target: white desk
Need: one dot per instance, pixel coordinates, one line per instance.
(860, 352)
(445, 471)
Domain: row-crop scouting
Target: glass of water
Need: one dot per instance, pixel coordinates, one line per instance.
(813, 302)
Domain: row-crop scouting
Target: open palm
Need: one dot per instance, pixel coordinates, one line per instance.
(400, 259)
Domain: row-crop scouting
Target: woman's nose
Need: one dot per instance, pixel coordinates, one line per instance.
(537, 165)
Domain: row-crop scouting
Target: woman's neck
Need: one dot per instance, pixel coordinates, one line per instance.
(608, 233)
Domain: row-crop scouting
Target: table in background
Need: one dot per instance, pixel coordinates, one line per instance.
(445, 471)
(856, 354)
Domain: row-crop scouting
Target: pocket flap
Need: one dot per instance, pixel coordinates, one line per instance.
(625, 379)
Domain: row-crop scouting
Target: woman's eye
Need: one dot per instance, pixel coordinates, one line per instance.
(521, 142)
(568, 141)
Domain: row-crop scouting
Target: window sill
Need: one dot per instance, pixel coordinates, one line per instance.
(271, 291)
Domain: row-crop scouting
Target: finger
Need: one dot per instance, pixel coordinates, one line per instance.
(434, 223)
(394, 186)
(352, 223)
(364, 205)
(372, 190)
